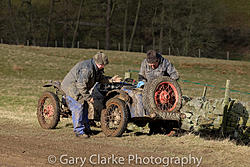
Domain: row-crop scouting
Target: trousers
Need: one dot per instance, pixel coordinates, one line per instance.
(79, 115)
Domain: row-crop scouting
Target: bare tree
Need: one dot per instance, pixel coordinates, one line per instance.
(109, 14)
(187, 36)
(161, 26)
(107, 30)
(77, 24)
(67, 26)
(125, 27)
(12, 21)
(135, 24)
(27, 7)
(65, 7)
(171, 24)
(49, 22)
(153, 27)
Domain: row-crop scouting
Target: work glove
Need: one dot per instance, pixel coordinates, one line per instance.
(140, 84)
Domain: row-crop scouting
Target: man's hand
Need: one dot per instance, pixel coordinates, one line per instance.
(115, 78)
(91, 100)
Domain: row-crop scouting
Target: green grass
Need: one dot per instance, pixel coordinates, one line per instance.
(35, 64)
(24, 70)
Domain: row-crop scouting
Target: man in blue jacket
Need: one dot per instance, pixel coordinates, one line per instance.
(77, 83)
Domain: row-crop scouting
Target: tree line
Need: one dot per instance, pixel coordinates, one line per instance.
(184, 26)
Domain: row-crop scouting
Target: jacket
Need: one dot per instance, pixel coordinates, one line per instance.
(165, 68)
(81, 78)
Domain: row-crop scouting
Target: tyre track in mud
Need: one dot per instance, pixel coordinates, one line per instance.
(26, 144)
(31, 147)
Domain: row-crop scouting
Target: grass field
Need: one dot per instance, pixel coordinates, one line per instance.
(23, 71)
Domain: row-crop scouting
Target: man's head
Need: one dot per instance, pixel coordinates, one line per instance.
(153, 59)
(100, 60)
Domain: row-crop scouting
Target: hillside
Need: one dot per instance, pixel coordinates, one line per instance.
(23, 71)
(40, 64)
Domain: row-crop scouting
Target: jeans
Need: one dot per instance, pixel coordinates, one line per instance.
(79, 115)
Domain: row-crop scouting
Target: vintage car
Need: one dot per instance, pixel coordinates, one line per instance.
(117, 104)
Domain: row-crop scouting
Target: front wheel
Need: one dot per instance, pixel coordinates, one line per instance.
(114, 118)
(48, 110)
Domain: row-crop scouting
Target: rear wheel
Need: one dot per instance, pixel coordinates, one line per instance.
(114, 118)
(48, 111)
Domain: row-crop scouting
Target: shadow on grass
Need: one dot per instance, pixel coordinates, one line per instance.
(240, 137)
(70, 125)
(95, 131)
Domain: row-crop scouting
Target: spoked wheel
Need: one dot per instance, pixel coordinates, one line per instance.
(48, 111)
(162, 97)
(166, 96)
(114, 118)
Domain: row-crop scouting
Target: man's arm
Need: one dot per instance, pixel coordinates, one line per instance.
(141, 75)
(172, 72)
(104, 79)
(82, 82)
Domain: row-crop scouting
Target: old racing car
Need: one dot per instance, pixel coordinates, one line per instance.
(117, 104)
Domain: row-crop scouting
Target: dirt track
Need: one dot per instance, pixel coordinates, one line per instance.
(33, 149)
(31, 146)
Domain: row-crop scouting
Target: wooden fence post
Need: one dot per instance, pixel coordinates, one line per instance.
(142, 48)
(199, 53)
(127, 75)
(227, 93)
(178, 52)
(227, 55)
(1, 40)
(119, 46)
(78, 44)
(204, 93)
(28, 43)
(56, 43)
(225, 108)
(98, 45)
(169, 51)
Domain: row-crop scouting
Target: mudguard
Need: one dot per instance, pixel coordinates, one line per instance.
(55, 84)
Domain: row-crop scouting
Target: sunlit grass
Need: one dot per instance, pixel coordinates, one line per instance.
(24, 70)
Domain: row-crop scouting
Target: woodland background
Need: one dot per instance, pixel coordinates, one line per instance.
(178, 27)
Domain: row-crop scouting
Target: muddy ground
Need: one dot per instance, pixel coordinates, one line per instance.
(29, 145)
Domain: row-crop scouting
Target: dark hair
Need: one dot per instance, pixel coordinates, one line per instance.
(152, 56)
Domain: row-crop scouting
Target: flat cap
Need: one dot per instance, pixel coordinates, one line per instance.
(101, 58)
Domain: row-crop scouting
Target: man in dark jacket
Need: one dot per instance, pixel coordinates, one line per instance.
(154, 66)
(77, 83)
